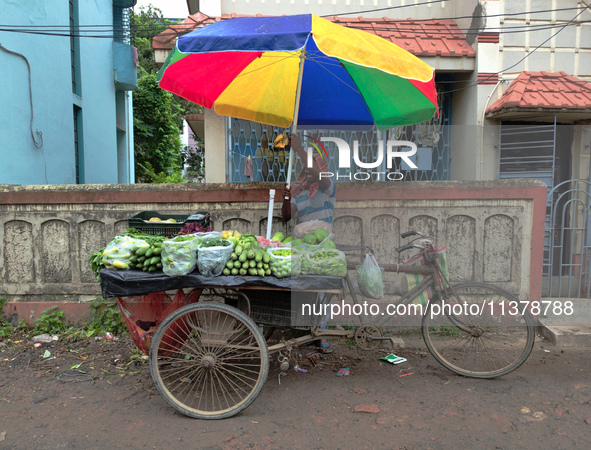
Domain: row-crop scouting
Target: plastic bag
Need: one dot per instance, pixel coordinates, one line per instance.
(369, 278)
(118, 252)
(284, 262)
(324, 262)
(211, 261)
(301, 229)
(179, 255)
(206, 234)
(326, 244)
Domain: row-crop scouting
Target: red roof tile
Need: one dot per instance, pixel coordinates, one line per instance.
(434, 37)
(546, 91)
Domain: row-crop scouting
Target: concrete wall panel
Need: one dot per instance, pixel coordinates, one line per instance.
(349, 228)
(498, 248)
(385, 232)
(19, 252)
(425, 224)
(56, 251)
(91, 235)
(461, 247)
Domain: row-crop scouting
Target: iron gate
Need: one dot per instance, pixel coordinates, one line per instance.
(567, 241)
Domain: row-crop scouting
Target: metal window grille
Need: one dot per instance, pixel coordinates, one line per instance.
(528, 150)
(253, 140)
(78, 155)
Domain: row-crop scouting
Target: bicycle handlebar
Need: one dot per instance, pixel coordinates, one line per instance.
(411, 233)
(405, 247)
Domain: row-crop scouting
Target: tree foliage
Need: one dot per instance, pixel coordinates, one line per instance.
(146, 24)
(156, 133)
(158, 115)
(195, 161)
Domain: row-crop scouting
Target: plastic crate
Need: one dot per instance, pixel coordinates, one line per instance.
(141, 222)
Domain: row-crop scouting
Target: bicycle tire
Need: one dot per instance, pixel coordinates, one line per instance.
(209, 360)
(501, 334)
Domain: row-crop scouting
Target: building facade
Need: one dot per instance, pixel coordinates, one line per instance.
(68, 72)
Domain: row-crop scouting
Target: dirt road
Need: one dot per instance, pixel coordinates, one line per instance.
(114, 404)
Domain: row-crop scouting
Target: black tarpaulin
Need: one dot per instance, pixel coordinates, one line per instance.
(122, 283)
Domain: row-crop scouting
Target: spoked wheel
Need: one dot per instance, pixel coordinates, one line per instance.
(209, 360)
(232, 297)
(479, 331)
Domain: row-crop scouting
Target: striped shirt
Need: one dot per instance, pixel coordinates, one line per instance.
(320, 207)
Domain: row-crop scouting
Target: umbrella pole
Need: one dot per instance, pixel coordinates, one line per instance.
(294, 125)
(270, 215)
(294, 128)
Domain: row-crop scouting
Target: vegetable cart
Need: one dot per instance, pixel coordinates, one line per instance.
(209, 357)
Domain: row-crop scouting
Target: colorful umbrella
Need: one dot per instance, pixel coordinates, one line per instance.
(280, 69)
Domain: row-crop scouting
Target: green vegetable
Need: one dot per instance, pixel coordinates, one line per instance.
(296, 243)
(215, 242)
(183, 238)
(96, 263)
(279, 236)
(321, 234)
(310, 239)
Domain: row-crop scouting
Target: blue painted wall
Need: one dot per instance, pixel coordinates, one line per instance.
(107, 153)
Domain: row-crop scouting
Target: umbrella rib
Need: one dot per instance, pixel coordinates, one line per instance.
(264, 67)
(353, 88)
(319, 56)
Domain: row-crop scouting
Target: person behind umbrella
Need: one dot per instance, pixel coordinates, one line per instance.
(311, 198)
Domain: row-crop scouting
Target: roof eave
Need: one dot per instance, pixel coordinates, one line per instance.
(564, 115)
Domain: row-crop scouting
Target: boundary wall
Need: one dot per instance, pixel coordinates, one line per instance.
(493, 230)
